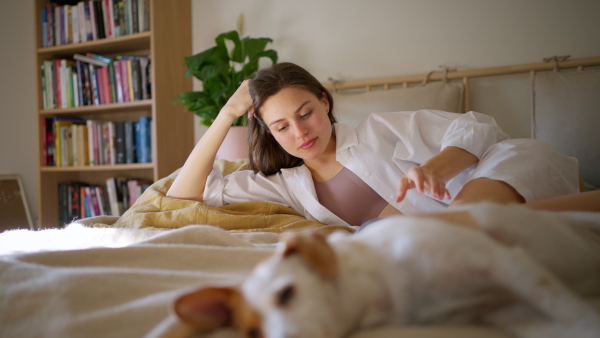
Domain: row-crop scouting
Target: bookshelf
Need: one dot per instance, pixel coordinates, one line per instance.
(167, 43)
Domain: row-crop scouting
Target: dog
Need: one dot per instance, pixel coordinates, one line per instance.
(453, 268)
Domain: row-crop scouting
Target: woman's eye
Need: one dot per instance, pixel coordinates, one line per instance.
(306, 115)
(282, 128)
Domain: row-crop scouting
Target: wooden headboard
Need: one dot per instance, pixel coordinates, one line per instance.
(549, 64)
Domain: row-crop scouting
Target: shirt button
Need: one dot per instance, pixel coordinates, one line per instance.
(392, 197)
(367, 173)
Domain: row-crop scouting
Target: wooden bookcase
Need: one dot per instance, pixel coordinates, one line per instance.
(167, 43)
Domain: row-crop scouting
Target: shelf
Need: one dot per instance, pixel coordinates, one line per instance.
(167, 44)
(132, 42)
(104, 108)
(132, 166)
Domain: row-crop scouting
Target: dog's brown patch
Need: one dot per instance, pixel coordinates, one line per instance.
(314, 250)
(211, 308)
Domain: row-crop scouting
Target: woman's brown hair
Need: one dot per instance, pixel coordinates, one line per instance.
(265, 153)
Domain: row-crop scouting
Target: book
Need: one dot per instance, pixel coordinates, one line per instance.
(130, 151)
(91, 60)
(92, 10)
(92, 143)
(138, 140)
(100, 29)
(59, 138)
(136, 79)
(95, 89)
(125, 82)
(114, 198)
(145, 77)
(145, 140)
(120, 142)
(94, 203)
(63, 203)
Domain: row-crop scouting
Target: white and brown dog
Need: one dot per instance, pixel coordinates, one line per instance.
(523, 271)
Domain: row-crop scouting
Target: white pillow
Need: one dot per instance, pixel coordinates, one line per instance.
(351, 107)
(567, 115)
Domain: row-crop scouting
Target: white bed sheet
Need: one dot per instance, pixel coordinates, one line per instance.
(121, 282)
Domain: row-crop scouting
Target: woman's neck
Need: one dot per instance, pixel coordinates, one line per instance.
(325, 166)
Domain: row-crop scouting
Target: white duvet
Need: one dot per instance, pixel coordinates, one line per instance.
(92, 282)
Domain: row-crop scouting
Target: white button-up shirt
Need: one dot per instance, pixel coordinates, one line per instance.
(379, 151)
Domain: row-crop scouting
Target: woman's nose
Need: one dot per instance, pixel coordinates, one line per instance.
(300, 130)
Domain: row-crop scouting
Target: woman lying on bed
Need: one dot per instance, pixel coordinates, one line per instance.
(393, 163)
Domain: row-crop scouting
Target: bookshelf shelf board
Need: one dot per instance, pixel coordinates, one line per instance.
(103, 108)
(99, 167)
(132, 42)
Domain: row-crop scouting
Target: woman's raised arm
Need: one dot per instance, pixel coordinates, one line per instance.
(191, 180)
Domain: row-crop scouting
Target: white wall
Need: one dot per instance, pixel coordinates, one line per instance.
(18, 137)
(344, 39)
(354, 39)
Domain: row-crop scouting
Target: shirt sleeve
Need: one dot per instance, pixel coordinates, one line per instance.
(421, 134)
(245, 186)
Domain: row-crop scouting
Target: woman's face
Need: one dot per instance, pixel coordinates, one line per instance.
(298, 120)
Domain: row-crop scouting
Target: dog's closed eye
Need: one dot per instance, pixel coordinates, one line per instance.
(285, 295)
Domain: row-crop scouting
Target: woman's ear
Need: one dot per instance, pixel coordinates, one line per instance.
(325, 100)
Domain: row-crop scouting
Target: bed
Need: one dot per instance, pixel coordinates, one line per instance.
(109, 276)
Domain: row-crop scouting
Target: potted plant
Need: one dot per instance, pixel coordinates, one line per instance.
(222, 68)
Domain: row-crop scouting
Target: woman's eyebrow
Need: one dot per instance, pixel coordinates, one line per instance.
(297, 110)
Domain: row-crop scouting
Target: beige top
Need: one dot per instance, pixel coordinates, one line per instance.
(351, 199)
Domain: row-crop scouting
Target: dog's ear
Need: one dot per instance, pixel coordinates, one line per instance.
(207, 309)
(314, 250)
(211, 308)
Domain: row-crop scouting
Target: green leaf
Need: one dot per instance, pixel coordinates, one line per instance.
(222, 73)
(255, 45)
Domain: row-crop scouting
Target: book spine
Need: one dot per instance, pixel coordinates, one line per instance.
(136, 78)
(138, 142)
(129, 142)
(94, 85)
(82, 22)
(95, 207)
(130, 81)
(50, 21)
(50, 142)
(135, 16)
(75, 24)
(112, 82)
(131, 191)
(125, 81)
(120, 141)
(63, 203)
(82, 202)
(80, 82)
(74, 205)
(145, 148)
(112, 196)
(91, 153)
(44, 27)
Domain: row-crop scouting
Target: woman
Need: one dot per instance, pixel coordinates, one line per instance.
(393, 163)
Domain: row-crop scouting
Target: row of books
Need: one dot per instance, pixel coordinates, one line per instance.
(92, 20)
(94, 80)
(82, 200)
(71, 141)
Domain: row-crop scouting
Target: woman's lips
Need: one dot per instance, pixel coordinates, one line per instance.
(308, 144)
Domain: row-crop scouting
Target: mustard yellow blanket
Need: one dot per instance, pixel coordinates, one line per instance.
(154, 210)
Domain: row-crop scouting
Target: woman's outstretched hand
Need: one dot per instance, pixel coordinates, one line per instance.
(424, 180)
(240, 102)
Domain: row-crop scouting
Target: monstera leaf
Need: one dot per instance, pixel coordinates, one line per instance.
(222, 69)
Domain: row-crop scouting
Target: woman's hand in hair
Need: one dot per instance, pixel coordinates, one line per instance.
(240, 102)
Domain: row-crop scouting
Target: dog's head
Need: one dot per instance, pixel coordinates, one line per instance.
(292, 294)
